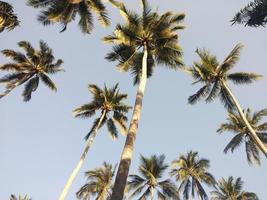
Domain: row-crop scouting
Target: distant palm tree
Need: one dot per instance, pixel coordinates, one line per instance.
(192, 171)
(254, 14)
(236, 125)
(144, 186)
(139, 44)
(8, 19)
(109, 102)
(214, 76)
(29, 68)
(13, 197)
(99, 183)
(65, 11)
(231, 189)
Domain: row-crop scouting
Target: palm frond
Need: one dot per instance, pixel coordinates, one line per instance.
(30, 87)
(243, 78)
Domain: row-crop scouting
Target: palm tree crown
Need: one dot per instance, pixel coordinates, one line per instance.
(151, 170)
(109, 102)
(156, 33)
(237, 126)
(254, 14)
(8, 20)
(99, 183)
(65, 11)
(231, 189)
(13, 197)
(29, 68)
(191, 171)
(214, 74)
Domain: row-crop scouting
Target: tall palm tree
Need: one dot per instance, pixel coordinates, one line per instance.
(99, 183)
(29, 68)
(112, 110)
(231, 189)
(254, 14)
(192, 171)
(151, 171)
(13, 197)
(236, 125)
(141, 42)
(8, 19)
(214, 76)
(65, 11)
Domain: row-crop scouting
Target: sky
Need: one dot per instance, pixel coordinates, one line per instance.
(41, 141)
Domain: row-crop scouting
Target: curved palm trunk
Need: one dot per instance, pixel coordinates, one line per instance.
(253, 134)
(79, 164)
(127, 153)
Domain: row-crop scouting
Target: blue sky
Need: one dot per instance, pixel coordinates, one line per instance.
(40, 141)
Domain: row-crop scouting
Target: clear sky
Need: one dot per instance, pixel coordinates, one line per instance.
(40, 141)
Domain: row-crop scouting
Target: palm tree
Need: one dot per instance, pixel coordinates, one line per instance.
(13, 197)
(254, 14)
(238, 127)
(139, 44)
(151, 170)
(99, 183)
(231, 189)
(29, 68)
(65, 11)
(8, 20)
(112, 110)
(191, 171)
(214, 76)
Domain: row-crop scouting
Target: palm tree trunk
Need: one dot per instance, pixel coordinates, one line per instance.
(79, 164)
(152, 193)
(253, 134)
(127, 153)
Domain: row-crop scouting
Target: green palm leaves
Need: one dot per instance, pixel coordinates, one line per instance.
(213, 75)
(65, 11)
(151, 170)
(231, 189)
(109, 101)
(236, 125)
(192, 171)
(8, 20)
(29, 68)
(254, 14)
(157, 33)
(99, 183)
(13, 197)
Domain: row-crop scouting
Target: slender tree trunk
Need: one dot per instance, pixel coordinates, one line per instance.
(127, 153)
(253, 134)
(79, 164)
(152, 193)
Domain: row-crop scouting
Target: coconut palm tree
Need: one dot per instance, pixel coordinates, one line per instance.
(231, 189)
(65, 11)
(151, 171)
(8, 19)
(254, 14)
(13, 197)
(139, 44)
(214, 76)
(29, 68)
(192, 171)
(99, 183)
(236, 125)
(112, 110)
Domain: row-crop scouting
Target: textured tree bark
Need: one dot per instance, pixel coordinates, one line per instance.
(79, 164)
(127, 153)
(253, 134)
